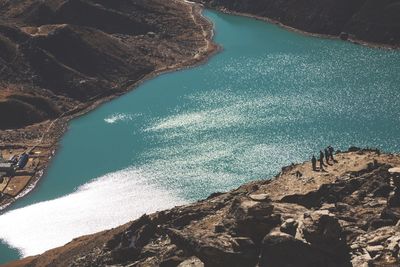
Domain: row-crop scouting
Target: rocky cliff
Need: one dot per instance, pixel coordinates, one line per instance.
(347, 215)
(366, 20)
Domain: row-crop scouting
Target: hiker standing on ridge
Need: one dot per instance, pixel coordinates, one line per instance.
(314, 163)
(321, 157)
(321, 160)
(331, 150)
(326, 152)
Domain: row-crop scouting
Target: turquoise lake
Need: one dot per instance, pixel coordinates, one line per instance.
(270, 98)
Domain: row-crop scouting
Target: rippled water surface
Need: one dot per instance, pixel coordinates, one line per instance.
(272, 97)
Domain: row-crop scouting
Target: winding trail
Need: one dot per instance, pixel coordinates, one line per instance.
(204, 49)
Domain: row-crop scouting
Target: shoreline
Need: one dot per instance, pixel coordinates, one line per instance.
(60, 125)
(339, 207)
(306, 33)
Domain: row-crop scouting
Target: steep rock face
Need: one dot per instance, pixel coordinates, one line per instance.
(368, 20)
(344, 219)
(75, 52)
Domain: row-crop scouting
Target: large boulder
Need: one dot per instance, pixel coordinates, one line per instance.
(217, 250)
(289, 227)
(324, 232)
(127, 245)
(251, 218)
(283, 250)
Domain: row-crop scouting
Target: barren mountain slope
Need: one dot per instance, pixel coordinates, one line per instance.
(365, 20)
(55, 55)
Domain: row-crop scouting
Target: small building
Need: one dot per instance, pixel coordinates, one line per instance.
(13, 159)
(6, 167)
(23, 160)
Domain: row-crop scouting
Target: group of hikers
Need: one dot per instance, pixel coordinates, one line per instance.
(327, 154)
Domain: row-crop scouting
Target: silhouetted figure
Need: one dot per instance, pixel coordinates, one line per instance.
(326, 152)
(298, 174)
(321, 157)
(314, 163)
(321, 164)
(331, 150)
(321, 160)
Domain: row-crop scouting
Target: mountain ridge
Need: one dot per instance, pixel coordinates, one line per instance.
(347, 215)
(365, 21)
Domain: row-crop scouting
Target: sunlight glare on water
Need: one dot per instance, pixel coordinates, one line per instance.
(101, 204)
(272, 97)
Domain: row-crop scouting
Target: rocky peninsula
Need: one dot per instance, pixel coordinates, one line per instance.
(347, 215)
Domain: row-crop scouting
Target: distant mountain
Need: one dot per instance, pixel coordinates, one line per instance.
(367, 20)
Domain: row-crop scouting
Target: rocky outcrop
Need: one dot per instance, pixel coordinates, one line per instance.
(367, 20)
(344, 218)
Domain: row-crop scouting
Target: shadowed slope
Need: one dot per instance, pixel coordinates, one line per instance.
(76, 51)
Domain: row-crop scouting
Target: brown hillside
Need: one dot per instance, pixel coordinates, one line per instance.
(366, 20)
(76, 51)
